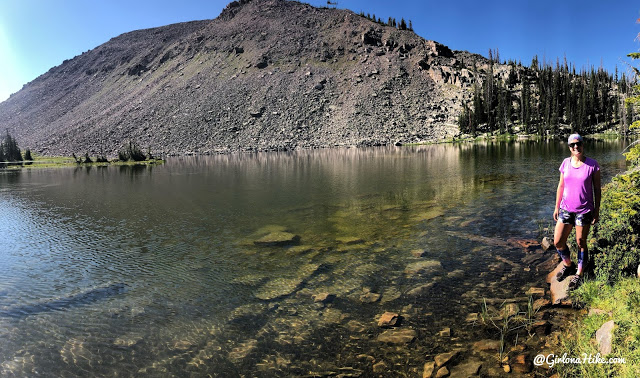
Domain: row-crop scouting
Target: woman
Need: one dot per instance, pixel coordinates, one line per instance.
(577, 204)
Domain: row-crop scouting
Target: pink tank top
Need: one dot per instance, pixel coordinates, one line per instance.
(578, 186)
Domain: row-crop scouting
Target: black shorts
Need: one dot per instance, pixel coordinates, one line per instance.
(575, 219)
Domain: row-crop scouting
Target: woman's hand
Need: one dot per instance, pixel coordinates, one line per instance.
(596, 216)
(555, 215)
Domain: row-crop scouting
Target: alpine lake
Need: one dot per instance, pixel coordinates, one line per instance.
(273, 264)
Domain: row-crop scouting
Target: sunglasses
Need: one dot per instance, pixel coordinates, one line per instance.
(576, 144)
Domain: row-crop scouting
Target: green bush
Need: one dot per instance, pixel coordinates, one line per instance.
(633, 155)
(618, 302)
(616, 250)
(131, 151)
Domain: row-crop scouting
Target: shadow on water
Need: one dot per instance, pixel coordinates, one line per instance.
(59, 304)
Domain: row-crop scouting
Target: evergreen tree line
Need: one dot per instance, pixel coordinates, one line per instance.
(9, 150)
(402, 25)
(549, 98)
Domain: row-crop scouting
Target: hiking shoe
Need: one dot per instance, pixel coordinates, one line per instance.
(575, 281)
(566, 271)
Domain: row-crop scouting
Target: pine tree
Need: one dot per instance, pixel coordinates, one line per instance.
(489, 98)
(501, 123)
(513, 77)
(11, 151)
(464, 119)
(525, 108)
(403, 24)
(478, 111)
(535, 64)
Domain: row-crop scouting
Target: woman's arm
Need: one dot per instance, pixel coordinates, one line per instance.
(597, 194)
(559, 193)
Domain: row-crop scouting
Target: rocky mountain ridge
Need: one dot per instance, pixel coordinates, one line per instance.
(264, 75)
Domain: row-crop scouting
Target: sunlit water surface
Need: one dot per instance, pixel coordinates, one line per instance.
(160, 270)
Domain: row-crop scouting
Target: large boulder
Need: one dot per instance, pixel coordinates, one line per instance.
(604, 337)
(559, 289)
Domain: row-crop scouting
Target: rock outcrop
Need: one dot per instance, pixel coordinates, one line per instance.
(264, 75)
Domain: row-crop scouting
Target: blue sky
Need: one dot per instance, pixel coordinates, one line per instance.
(36, 35)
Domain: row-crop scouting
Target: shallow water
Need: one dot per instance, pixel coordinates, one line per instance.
(156, 270)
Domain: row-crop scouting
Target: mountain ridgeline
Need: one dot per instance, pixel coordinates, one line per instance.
(280, 75)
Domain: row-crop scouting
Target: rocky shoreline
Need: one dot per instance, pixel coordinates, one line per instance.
(500, 338)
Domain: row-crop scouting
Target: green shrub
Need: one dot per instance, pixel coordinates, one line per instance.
(633, 155)
(618, 302)
(131, 151)
(617, 247)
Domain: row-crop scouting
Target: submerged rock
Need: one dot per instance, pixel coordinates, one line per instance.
(427, 215)
(444, 358)
(388, 319)
(390, 294)
(467, 369)
(487, 345)
(324, 298)
(349, 240)
(527, 244)
(458, 273)
(278, 287)
(284, 286)
(423, 267)
(442, 372)
(472, 317)
(541, 327)
(521, 364)
(333, 316)
(300, 249)
(418, 253)
(279, 238)
(429, 367)
(397, 336)
(243, 350)
(510, 310)
(379, 367)
(420, 290)
(127, 341)
(370, 297)
(535, 292)
(268, 229)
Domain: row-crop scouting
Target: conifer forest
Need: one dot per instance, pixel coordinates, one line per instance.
(547, 100)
